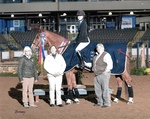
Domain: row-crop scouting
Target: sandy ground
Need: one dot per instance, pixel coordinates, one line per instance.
(11, 105)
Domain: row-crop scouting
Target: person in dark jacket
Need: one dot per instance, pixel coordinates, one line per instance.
(27, 74)
(82, 38)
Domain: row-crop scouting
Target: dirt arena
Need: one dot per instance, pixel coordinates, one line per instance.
(11, 105)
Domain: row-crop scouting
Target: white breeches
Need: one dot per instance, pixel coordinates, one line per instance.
(82, 45)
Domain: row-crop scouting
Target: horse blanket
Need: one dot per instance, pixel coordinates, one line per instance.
(116, 50)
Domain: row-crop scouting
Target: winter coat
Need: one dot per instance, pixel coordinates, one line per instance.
(27, 68)
(55, 65)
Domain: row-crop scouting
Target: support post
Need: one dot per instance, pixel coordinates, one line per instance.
(147, 53)
(137, 62)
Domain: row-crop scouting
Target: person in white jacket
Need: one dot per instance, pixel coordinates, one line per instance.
(55, 66)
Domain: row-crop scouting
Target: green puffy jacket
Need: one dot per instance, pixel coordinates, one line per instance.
(27, 68)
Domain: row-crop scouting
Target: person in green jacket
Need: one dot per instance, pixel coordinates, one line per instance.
(27, 75)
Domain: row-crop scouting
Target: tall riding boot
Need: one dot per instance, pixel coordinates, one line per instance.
(130, 91)
(70, 97)
(82, 65)
(76, 92)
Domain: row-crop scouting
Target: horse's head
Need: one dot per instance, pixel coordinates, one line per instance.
(41, 37)
(36, 43)
(50, 39)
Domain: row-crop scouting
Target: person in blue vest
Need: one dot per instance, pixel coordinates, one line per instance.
(82, 38)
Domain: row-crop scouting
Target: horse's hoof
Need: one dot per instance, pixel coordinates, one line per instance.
(68, 102)
(115, 100)
(76, 101)
(130, 102)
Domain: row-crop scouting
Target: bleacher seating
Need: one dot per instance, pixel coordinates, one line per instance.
(2, 39)
(24, 38)
(98, 35)
(112, 35)
(2, 42)
(137, 44)
(64, 33)
(1, 49)
(146, 36)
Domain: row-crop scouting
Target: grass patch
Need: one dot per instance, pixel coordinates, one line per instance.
(9, 74)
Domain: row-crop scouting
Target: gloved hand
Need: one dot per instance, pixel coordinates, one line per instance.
(73, 38)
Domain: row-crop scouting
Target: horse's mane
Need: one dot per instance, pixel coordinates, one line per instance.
(56, 40)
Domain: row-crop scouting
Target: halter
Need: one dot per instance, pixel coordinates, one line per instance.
(37, 45)
(42, 35)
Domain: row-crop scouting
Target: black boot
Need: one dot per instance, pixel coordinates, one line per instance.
(118, 94)
(130, 90)
(76, 92)
(119, 91)
(82, 65)
(69, 97)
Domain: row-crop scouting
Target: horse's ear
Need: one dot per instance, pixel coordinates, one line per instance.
(41, 28)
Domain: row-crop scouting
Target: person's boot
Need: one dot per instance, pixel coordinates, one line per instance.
(82, 65)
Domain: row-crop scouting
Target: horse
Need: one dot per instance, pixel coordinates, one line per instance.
(67, 49)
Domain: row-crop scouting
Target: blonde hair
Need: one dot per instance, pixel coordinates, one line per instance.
(27, 48)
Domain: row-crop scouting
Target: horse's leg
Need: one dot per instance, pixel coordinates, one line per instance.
(127, 77)
(71, 82)
(74, 87)
(70, 91)
(119, 90)
(128, 80)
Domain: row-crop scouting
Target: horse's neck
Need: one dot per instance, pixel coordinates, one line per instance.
(56, 40)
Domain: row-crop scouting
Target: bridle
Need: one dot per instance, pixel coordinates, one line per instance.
(37, 45)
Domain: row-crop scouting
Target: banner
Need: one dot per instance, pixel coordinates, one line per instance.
(128, 22)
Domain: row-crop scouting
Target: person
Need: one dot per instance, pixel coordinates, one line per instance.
(102, 65)
(27, 74)
(82, 38)
(119, 90)
(55, 66)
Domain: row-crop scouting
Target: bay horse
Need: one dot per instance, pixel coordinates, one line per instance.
(117, 50)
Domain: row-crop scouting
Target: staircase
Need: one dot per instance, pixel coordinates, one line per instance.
(4, 47)
(137, 38)
(11, 41)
